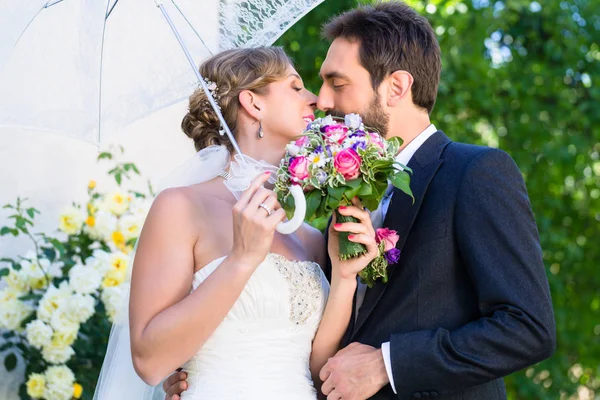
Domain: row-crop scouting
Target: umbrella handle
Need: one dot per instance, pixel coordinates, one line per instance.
(295, 222)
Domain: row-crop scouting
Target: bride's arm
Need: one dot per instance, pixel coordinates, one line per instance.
(338, 310)
(168, 324)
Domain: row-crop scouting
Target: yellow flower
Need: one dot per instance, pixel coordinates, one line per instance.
(118, 239)
(92, 184)
(64, 338)
(113, 278)
(77, 390)
(90, 221)
(36, 385)
(119, 262)
(71, 220)
(38, 282)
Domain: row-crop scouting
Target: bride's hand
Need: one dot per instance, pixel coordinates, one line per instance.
(360, 232)
(255, 217)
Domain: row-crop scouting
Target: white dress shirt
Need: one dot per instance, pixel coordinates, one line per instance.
(403, 157)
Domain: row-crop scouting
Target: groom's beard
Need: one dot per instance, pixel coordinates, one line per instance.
(374, 117)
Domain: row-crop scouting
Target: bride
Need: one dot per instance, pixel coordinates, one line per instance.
(245, 310)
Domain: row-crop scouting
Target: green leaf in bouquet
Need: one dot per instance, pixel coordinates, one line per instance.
(118, 178)
(336, 192)
(354, 183)
(370, 203)
(333, 203)
(10, 362)
(8, 206)
(5, 230)
(313, 201)
(366, 189)
(4, 272)
(288, 206)
(401, 180)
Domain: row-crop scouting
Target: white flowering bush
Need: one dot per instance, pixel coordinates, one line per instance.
(59, 299)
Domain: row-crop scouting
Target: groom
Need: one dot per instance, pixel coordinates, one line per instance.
(468, 302)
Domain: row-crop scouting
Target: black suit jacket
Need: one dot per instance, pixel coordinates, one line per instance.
(468, 302)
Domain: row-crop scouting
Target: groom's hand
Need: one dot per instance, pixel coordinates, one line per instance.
(174, 385)
(355, 372)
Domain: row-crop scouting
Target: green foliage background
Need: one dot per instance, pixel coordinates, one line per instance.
(523, 76)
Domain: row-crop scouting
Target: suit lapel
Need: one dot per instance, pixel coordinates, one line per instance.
(402, 212)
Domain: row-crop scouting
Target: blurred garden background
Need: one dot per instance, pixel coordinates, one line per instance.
(519, 75)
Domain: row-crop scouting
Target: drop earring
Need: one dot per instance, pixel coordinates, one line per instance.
(261, 133)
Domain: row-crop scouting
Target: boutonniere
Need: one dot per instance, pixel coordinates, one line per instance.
(388, 254)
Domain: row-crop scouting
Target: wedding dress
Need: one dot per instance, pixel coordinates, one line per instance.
(262, 348)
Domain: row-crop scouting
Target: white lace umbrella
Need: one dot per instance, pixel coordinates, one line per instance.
(85, 68)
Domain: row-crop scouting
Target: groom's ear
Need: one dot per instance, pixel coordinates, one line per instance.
(400, 83)
(250, 102)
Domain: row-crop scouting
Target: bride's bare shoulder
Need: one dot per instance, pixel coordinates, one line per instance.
(186, 200)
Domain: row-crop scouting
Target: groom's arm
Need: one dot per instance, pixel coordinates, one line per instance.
(499, 244)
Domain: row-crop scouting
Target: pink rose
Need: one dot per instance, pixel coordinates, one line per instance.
(335, 133)
(337, 128)
(301, 141)
(347, 162)
(389, 236)
(299, 168)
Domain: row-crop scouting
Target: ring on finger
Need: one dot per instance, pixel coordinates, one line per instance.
(265, 207)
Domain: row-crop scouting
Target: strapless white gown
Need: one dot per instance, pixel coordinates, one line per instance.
(262, 348)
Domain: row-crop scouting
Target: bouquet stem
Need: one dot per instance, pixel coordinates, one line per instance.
(348, 249)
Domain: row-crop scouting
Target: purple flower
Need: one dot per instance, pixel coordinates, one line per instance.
(359, 144)
(319, 149)
(392, 256)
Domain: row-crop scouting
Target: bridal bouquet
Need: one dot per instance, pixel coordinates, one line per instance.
(334, 161)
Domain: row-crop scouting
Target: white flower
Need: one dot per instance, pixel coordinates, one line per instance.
(57, 353)
(35, 272)
(100, 261)
(58, 392)
(38, 334)
(71, 220)
(318, 159)
(84, 279)
(113, 297)
(353, 121)
(292, 149)
(17, 281)
(117, 202)
(12, 313)
(36, 384)
(101, 225)
(131, 226)
(59, 383)
(52, 300)
(81, 307)
(328, 120)
(63, 319)
(8, 294)
(60, 374)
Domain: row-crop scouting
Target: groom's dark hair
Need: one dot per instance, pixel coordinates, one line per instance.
(393, 37)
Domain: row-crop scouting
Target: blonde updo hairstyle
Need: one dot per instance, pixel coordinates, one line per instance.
(232, 71)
